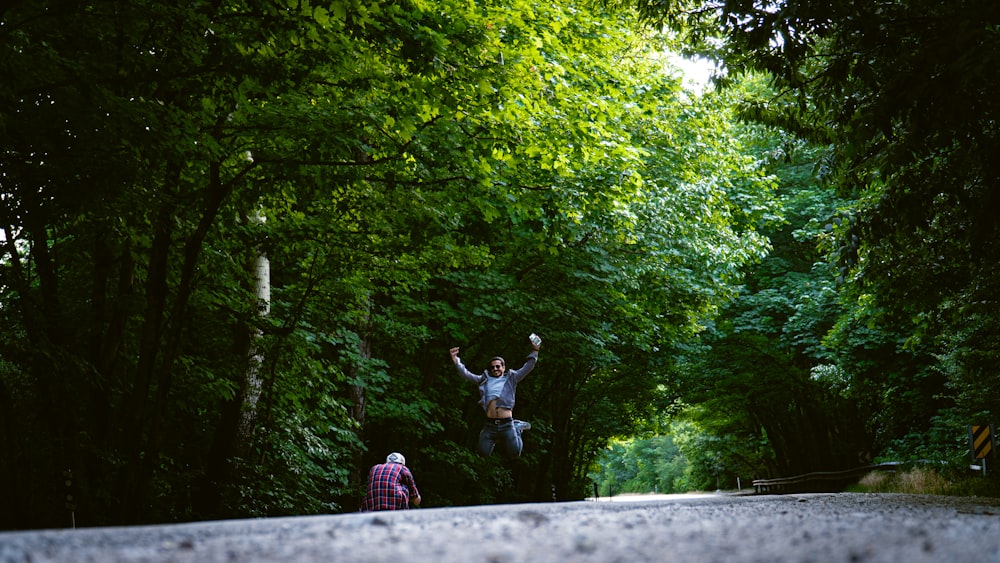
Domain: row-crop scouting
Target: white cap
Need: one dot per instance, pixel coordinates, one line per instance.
(396, 457)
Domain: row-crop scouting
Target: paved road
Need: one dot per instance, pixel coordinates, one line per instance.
(721, 528)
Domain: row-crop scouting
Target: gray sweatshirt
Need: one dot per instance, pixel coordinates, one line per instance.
(511, 377)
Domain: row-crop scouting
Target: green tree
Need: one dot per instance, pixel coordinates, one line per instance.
(415, 174)
(140, 140)
(902, 95)
(758, 375)
(615, 244)
(639, 465)
(633, 281)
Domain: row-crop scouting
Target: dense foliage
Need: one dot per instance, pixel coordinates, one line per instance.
(899, 357)
(239, 239)
(903, 94)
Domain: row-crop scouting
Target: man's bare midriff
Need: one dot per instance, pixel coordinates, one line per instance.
(493, 411)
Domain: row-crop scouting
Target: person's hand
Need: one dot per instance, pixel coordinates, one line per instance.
(535, 340)
(454, 354)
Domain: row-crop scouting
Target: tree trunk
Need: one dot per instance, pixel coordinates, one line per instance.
(359, 397)
(163, 341)
(252, 382)
(235, 432)
(137, 397)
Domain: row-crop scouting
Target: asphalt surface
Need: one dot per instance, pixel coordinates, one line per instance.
(846, 527)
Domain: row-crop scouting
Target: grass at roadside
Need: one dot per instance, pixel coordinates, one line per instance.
(925, 480)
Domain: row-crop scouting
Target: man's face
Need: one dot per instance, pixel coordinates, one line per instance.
(496, 368)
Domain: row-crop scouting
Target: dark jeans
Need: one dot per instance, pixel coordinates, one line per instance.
(503, 433)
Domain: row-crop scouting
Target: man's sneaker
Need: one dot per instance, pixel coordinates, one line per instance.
(521, 425)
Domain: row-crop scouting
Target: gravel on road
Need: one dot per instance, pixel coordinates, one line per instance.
(843, 527)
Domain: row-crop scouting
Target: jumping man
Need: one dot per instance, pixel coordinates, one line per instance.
(497, 389)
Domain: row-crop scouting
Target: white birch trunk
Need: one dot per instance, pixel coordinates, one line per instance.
(253, 382)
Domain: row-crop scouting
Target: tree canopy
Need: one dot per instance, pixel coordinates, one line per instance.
(901, 92)
(239, 238)
(898, 97)
(416, 175)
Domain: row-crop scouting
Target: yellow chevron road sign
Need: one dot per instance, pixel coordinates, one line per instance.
(981, 440)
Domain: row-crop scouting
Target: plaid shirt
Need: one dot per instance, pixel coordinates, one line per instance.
(390, 487)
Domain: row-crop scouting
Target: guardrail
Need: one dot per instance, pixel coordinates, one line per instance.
(820, 481)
